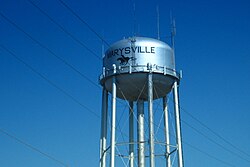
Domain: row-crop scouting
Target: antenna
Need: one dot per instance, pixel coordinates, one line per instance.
(158, 22)
(173, 30)
(134, 33)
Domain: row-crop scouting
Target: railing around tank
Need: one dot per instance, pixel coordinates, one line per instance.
(116, 70)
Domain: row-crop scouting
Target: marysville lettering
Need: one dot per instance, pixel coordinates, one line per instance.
(128, 50)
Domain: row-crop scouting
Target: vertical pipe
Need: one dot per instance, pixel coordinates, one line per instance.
(103, 139)
(113, 126)
(140, 130)
(178, 125)
(131, 134)
(151, 120)
(166, 121)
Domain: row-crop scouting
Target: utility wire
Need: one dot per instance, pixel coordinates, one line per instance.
(215, 133)
(52, 84)
(33, 148)
(49, 50)
(84, 22)
(49, 81)
(201, 151)
(213, 141)
(63, 29)
(46, 48)
(208, 138)
(209, 155)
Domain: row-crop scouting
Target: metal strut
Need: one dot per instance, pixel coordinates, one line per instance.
(103, 138)
(131, 134)
(165, 109)
(178, 124)
(113, 126)
(140, 133)
(151, 120)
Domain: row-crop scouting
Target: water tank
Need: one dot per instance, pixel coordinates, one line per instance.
(130, 60)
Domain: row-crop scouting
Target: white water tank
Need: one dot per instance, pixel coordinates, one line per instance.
(130, 60)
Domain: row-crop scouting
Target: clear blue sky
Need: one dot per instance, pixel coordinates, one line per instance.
(212, 49)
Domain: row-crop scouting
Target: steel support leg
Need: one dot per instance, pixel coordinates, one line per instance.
(151, 120)
(131, 134)
(140, 133)
(166, 121)
(178, 124)
(113, 124)
(103, 139)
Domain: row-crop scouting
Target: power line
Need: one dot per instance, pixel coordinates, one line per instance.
(46, 48)
(84, 22)
(209, 155)
(208, 138)
(49, 50)
(49, 81)
(67, 32)
(215, 133)
(218, 144)
(199, 150)
(33, 148)
(63, 29)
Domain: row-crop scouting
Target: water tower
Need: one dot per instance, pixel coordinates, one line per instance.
(139, 70)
